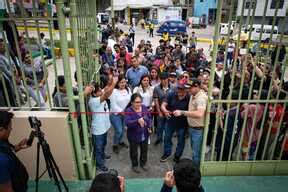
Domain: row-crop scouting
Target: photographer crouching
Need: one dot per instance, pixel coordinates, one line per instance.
(13, 174)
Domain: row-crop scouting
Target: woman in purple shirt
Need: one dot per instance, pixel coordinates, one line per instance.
(138, 121)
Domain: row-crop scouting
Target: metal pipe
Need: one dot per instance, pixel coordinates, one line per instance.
(73, 23)
(213, 66)
(67, 75)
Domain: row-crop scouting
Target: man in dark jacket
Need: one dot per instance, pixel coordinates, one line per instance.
(186, 177)
(13, 175)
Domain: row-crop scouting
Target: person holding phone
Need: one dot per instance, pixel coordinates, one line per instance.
(138, 121)
(186, 177)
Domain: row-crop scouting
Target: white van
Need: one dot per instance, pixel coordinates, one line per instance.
(224, 28)
(266, 33)
(102, 18)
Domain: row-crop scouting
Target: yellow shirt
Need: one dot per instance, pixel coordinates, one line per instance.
(166, 36)
(199, 101)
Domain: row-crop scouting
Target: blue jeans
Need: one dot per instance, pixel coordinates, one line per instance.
(33, 93)
(117, 122)
(169, 130)
(161, 121)
(196, 138)
(99, 142)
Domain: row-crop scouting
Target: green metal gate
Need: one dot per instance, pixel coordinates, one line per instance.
(235, 164)
(71, 27)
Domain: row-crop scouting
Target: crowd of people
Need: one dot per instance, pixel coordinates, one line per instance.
(163, 90)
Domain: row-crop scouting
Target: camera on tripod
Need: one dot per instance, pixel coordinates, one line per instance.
(35, 124)
(51, 166)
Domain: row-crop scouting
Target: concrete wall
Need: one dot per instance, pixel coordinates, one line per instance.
(54, 125)
(260, 5)
(201, 8)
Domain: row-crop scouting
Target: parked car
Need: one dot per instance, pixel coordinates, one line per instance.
(172, 27)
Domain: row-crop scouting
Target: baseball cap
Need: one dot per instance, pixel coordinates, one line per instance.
(164, 75)
(194, 82)
(5, 118)
(173, 74)
(181, 84)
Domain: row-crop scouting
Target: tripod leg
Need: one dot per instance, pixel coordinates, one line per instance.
(58, 172)
(50, 165)
(37, 166)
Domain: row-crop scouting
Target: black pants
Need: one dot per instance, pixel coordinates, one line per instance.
(151, 33)
(132, 37)
(134, 152)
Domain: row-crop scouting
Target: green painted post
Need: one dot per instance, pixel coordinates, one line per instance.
(213, 66)
(74, 29)
(67, 74)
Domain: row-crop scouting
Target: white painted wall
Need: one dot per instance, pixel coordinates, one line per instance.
(260, 8)
(142, 2)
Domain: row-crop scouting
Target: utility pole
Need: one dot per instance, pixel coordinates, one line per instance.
(191, 7)
(112, 14)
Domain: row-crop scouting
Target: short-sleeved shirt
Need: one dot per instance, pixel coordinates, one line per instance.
(173, 103)
(100, 120)
(160, 93)
(39, 71)
(134, 75)
(7, 166)
(199, 101)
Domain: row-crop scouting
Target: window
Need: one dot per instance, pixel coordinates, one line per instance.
(172, 24)
(248, 2)
(274, 2)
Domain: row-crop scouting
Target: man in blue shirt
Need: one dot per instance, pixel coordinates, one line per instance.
(175, 100)
(13, 175)
(135, 73)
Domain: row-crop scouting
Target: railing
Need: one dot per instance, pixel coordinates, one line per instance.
(241, 140)
(72, 44)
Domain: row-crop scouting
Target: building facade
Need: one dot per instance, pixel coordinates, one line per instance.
(259, 11)
(135, 10)
(205, 9)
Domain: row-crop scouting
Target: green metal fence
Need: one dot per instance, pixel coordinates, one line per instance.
(230, 159)
(71, 34)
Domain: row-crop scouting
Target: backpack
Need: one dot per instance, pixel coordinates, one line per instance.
(20, 177)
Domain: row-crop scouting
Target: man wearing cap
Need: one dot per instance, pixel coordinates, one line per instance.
(173, 79)
(159, 93)
(13, 174)
(177, 99)
(196, 117)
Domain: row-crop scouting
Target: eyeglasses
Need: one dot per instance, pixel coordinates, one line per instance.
(186, 77)
(137, 101)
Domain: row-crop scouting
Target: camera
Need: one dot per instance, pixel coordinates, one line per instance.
(34, 122)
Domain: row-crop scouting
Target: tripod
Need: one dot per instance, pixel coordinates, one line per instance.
(51, 165)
